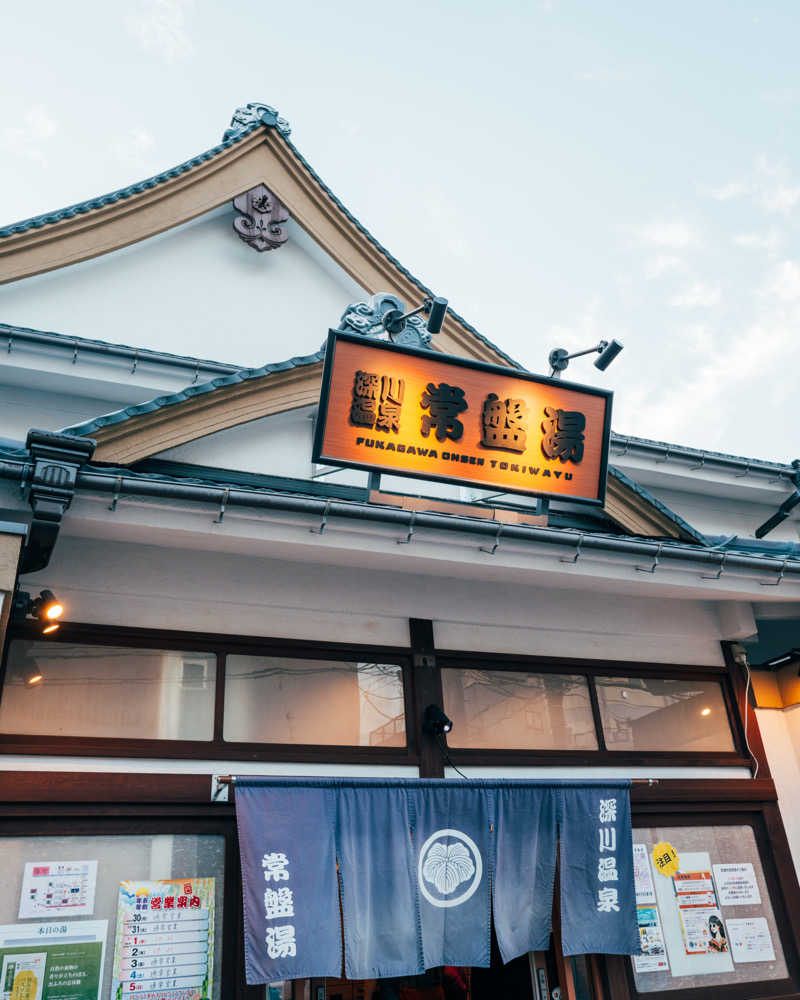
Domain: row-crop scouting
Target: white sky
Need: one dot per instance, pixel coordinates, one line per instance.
(561, 171)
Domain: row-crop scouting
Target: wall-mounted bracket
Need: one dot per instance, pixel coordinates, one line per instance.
(56, 461)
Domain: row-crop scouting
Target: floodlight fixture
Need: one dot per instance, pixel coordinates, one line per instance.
(394, 321)
(786, 507)
(560, 358)
(46, 609)
(435, 721)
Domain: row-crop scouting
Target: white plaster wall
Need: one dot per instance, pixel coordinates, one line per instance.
(780, 731)
(717, 515)
(279, 445)
(196, 290)
(22, 408)
(143, 585)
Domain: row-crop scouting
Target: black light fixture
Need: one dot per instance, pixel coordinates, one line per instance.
(435, 721)
(607, 349)
(46, 609)
(790, 656)
(786, 507)
(394, 321)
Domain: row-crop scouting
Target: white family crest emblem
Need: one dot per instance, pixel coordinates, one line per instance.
(448, 861)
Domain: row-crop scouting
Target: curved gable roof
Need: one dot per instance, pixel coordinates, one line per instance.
(256, 153)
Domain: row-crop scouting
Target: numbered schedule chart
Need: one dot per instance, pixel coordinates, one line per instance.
(164, 943)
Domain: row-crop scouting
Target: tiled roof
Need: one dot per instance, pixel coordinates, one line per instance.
(232, 136)
(676, 519)
(160, 402)
(37, 221)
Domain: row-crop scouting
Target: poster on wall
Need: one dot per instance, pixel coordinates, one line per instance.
(701, 920)
(164, 943)
(52, 961)
(694, 931)
(736, 884)
(751, 940)
(654, 952)
(57, 889)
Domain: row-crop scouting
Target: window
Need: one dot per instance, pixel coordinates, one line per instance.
(511, 710)
(655, 713)
(271, 699)
(70, 689)
(712, 924)
(74, 961)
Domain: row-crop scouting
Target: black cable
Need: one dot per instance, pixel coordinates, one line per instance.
(446, 756)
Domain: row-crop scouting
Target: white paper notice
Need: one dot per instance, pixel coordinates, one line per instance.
(736, 884)
(642, 876)
(750, 940)
(58, 889)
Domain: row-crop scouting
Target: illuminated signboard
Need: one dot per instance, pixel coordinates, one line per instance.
(418, 413)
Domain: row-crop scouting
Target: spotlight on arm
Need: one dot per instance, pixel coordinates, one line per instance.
(608, 350)
(435, 721)
(394, 322)
(46, 609)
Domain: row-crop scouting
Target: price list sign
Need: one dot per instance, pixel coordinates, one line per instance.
(164, 945)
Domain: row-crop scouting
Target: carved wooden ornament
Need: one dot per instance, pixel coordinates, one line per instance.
(261, 223)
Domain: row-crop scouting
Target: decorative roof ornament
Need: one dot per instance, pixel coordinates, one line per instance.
(256, 113)
(367, 318)
(260, 225)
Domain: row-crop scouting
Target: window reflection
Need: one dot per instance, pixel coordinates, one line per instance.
(503, 709)
(278, 700)
(655, 713)
(107, 691)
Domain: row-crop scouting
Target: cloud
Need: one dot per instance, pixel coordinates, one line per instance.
(161, 27)
(757, 241)
(27, 139)
(776, 191)
(784, 282)
(669, 235)
(132, 147)
(697, 295)
(663, 264)
(733, 189)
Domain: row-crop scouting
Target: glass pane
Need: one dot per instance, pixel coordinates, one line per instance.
(711, 924)
(140, 858)
(651, 713)
(107, 691)
(505, 710)
(270, 699)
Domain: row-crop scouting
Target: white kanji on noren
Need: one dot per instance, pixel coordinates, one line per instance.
(608, 810)
(274, 866)
(607, 870)
(278, 903)
(607, 901)
(280, 941)
(608, 838)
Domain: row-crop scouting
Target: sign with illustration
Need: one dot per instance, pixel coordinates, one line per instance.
(57, 889)
(62, 960)
(164, 944)
(418, 413)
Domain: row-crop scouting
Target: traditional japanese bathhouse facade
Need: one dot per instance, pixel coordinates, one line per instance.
(239, 603)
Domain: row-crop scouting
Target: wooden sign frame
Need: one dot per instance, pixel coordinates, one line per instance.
(505, 467)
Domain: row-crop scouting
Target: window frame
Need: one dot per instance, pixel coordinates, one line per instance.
(761, 819)
(216, 748)
(421, 684)
(590, 669)
(84, 818)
